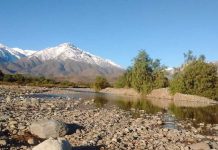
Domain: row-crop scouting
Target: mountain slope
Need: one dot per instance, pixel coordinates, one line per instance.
(66, 61)
(12, 54)
(67, 51)
(24, 52)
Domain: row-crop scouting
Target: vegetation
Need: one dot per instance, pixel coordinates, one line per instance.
(1, 75)
(33, 81)
(196, 77)
(145, 74)
(100, 83)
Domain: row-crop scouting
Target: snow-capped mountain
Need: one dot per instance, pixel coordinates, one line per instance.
(24, 52)
(8, 54)
(67, 51)
(65, 61)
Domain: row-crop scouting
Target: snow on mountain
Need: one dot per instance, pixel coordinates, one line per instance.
(24, 52)
(67, 51)
(9, 54)
(64, 62)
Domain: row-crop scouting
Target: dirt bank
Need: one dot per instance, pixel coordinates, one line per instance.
(121, 91)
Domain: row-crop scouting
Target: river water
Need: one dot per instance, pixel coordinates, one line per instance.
(172, 111)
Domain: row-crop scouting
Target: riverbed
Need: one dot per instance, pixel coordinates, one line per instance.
(104, 121)
(196, 113)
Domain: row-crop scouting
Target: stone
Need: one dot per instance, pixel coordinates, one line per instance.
(31, 141)
(200, 146)
(159, 122)
(3, 142)
(8, 99)
(49, 128)
(214, 145)
(54, 144)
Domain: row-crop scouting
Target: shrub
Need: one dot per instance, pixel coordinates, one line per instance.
(145, 75)
(100, 83)
(196, 78)
(1, 75)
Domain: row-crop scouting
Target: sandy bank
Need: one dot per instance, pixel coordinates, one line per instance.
(121, 91)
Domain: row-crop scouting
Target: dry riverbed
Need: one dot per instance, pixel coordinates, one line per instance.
(92, 128)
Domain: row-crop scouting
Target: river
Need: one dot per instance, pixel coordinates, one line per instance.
(196, 113)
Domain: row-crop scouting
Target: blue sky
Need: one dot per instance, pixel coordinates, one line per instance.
(114, 29)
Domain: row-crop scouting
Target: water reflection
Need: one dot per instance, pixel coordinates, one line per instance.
(181, 109)
(207, 114)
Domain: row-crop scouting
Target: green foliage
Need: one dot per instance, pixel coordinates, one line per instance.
(189, 57)
(9, 78)
(160, 80)
(34, 81)
(145, 74)
(1, 75)
(196, 78)
(124, 80)
(142, 73)
(121, 82)
(100, 83)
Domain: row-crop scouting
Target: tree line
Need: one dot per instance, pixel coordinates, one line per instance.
(33, 81)
(196, 76)
(144, 75)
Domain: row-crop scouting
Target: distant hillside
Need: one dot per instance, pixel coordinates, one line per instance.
(64, 61)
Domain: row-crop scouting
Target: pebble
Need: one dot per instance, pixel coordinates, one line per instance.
(90, 126)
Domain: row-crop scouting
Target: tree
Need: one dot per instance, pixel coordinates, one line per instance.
(1, 75)
(197, 78)
(145, 74)
(100, 83)
(142, 73)
(189, 57)
(160, 80)
(125, 80)
(9, 78)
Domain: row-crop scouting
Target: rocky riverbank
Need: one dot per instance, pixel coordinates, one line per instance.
(90, 127)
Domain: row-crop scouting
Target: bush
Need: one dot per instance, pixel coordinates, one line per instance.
(196, 78)
(145, 75)
(100, 83)
(1, 75)
(9, 78)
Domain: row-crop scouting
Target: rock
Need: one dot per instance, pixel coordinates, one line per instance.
(48, 128)
(159, 122)
(31, 141)
(54, 144)
(200, 146)
(3, 142)
(8, 99)
(214, 145)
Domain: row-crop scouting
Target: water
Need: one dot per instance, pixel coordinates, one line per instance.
(197, 112)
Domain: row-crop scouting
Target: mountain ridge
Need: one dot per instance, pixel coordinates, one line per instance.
(64, 61)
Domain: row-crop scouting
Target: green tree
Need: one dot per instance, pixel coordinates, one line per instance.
(9, 78)
(100, 83)
(189, 57)
(1, 75)
(19, 78)
(160, 80)
(142, 73)
(145, 74)
(125, 80)
(197, 78)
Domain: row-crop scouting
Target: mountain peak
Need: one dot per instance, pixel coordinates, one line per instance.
(2, 45)
(70, 45)
(68, 51)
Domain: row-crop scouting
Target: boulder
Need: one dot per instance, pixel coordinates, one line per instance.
(54, 144)
(49, 128)
(200, 146)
